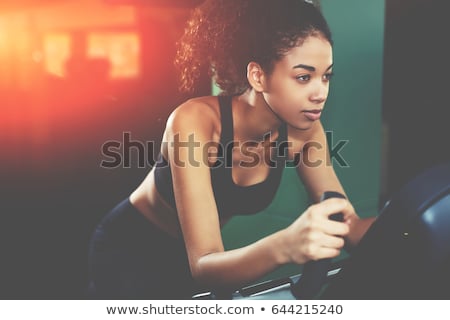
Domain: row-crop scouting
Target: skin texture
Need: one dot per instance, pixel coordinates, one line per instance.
(298, 84)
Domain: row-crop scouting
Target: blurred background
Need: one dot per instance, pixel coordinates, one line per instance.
(75, 74)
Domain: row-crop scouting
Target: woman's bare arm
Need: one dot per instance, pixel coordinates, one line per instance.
(318, 175)
(199, 220)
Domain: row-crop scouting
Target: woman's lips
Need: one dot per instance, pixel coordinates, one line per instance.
(313, 115)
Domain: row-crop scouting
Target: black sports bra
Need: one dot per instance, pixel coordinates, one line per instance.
(231, 199)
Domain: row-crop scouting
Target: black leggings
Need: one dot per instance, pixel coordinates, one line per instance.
(130, 258)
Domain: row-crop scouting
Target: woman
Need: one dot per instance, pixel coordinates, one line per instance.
(222, 156)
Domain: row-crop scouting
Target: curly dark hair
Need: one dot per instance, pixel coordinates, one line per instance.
(223, 36)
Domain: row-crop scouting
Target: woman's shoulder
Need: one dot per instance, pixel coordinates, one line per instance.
(195, 114)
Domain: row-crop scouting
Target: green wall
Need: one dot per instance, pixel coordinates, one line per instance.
(353, 114)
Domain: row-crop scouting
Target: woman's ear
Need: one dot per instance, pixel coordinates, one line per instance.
(256, 77)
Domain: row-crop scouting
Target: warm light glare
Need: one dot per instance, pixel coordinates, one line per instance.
(54, 82)
(121, 49)
(3, 35)
(56, 48)
(16, 41)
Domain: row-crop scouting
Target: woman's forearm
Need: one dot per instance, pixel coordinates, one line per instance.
(235, 268)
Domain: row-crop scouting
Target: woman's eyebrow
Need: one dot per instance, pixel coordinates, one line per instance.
(309, 68)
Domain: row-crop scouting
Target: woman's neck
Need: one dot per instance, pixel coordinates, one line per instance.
(253, 117)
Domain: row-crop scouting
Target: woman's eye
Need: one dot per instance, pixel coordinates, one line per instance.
(328, 76)
(305, 77)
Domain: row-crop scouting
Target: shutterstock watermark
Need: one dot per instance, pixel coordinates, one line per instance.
(130, 153)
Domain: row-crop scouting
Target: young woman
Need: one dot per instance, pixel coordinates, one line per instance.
(223, 156)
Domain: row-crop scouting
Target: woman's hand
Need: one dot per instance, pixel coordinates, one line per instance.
(314, 236)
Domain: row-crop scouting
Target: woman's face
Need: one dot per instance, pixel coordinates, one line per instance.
(298, 86)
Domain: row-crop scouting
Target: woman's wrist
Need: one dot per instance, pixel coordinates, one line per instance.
(358, 229)
(280, 247)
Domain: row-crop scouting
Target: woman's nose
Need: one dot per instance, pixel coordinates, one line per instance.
(320, 92)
